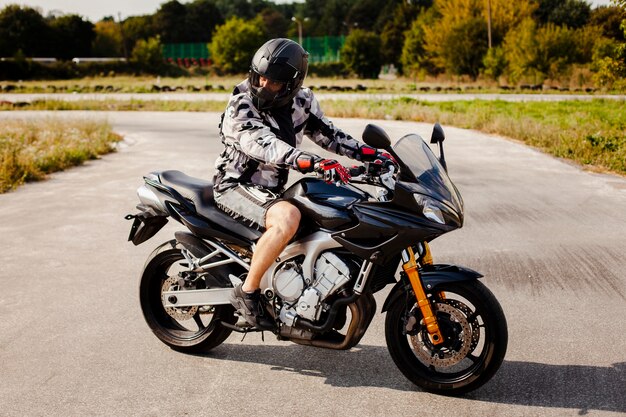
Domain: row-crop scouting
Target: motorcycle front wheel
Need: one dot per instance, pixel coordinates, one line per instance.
(186, 329)
(475, 336)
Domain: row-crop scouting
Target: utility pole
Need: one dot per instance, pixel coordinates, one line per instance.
(299, 23)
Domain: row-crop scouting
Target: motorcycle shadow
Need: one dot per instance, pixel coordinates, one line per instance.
(361, 366)
(581, 387)
(517, 383)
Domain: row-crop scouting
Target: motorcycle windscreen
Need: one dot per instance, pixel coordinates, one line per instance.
(432, 178)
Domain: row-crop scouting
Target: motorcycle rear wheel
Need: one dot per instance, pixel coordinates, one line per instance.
(475, 335)
(190, 329)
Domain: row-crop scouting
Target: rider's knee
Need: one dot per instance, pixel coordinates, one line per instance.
(284, 215)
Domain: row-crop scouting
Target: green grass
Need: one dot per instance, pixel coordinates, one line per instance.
(200, 83)
(31, 149)
(118, 105)
(591, 133)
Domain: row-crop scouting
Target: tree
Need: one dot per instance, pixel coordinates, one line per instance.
(463, 49)
(273, 23)
(135, 28)
(244, 9)
(610, 20)
(392, 36)
(494, 63)
(73, 36)
(570, 13)
(23, 29)
(169, 22)
(610, 64)
(108, 40)
(364, 13)
(234, 44)
(361, 53)
(461, 18)
(201, 19)
(148, 53)
(414, 57)
(539, 52)
(520, 49)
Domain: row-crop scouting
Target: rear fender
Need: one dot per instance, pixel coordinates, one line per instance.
(145, 225)
(432, 276)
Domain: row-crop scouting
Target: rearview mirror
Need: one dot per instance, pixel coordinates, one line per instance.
(376, 137)
(438, 136)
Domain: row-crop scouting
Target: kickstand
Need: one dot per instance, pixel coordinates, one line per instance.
(244, 336)
(246, 333)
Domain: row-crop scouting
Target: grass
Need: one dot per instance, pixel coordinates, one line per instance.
(199, 83)
(591, 133)
(29, 150)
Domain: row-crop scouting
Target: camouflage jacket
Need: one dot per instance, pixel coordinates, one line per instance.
(254, 151)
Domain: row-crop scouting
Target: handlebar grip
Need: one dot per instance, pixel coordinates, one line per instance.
(356, 170)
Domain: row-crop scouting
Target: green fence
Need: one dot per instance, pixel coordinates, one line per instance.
(323, 48)
(320, 49)
(185, 50)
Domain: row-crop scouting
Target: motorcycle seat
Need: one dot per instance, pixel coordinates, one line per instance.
(200, 193)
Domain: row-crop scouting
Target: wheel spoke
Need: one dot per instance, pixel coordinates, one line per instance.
(472, 358)
(198, 320)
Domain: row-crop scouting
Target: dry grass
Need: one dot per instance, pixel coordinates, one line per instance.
(592, 133)
(31, 149)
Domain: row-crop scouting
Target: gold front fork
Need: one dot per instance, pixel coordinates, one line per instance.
(411, 270)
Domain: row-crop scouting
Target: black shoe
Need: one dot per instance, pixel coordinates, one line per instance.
(250, 307)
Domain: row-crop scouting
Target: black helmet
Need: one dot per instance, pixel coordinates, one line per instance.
(280, 60)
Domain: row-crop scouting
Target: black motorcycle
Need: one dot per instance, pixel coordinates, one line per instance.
(444, 329)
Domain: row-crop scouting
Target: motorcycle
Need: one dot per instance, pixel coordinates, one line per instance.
(444, 329)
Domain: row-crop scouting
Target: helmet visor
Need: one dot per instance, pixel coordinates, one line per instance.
(283, 72)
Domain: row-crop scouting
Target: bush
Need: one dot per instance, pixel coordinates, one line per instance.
(148, 53)
(234, 44)
(464, 48)
(328, 69)
(495, 63)
(361, 53)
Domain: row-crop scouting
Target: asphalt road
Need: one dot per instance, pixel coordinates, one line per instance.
(549, 237)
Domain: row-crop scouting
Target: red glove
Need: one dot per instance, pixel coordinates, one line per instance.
(369, 154)
(333, 171)
(385, 159)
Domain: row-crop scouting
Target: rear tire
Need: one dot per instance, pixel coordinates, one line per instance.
(188, 329)
(475, 335)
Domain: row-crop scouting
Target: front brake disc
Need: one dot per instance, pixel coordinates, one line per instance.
(443, 356)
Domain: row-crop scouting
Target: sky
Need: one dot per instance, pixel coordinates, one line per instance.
(94, 10)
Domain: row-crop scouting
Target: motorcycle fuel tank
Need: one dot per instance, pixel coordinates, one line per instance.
(326, 204)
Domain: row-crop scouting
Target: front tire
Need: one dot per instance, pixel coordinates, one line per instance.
(475, 338)
(190, 329)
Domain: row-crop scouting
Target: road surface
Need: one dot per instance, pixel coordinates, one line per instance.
(549, 237)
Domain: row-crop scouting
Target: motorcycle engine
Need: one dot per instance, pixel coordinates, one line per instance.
(331, 273)
(288, 281)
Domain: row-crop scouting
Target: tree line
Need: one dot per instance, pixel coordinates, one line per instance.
(519, 42)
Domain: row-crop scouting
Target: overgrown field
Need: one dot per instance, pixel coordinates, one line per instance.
(200, 84)
(591, 133)
(31, 149)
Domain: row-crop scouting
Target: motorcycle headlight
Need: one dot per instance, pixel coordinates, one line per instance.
(430, 208)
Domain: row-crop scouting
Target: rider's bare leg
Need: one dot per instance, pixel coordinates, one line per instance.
(281, 222)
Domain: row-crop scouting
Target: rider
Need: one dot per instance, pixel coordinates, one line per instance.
(262, 128)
